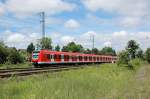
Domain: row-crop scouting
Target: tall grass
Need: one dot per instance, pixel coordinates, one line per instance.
(105, 81)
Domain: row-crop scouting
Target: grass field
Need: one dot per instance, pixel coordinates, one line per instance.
(106, 81)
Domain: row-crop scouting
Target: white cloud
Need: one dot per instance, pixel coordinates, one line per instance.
(117, 40)
(89, 33)
(120, 34)
(71, 24)
(19, 40)
(53, 21)
(66, 39)
(108, 44)
(27, 7)
(128, 22)
(56, 35)
(16, 38)
(130, 13)
(124, 7)
(95, 5)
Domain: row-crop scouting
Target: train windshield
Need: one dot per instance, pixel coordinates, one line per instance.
(35, 55)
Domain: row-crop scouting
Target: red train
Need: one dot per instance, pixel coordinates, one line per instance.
(45, 57)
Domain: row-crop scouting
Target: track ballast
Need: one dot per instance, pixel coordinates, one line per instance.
(29, 71)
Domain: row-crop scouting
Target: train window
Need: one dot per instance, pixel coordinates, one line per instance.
(94, 58)
(97, 58)
(72, 57)
(35, 55)
(66, 57)
(55, 56)
(85, 58)
(59, 56)
(51, 57)
(75, 57)
(90, 58)
(48, 56)
(80, 58)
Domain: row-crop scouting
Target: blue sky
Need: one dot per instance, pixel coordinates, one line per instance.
(113, 22)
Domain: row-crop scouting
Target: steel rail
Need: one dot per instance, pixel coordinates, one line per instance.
(29, 68)
(30, 71)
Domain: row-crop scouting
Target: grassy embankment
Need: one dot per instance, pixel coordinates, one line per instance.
(107, 81)
(23, 65)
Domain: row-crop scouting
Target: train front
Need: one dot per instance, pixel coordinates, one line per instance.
(35, 57)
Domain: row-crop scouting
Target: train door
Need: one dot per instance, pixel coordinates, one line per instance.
(62, 57)
(52, 57)
(70, 58)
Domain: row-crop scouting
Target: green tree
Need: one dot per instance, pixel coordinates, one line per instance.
(140, 54)
(95, 51)
(72, 47)
(27, 56)
(30, 48)
(132, 48)
(57, 48)
(108, 51)
(14, 56)
(87, 51)
(64, 49)
(3, 53)
(46, 43)
(147, 54)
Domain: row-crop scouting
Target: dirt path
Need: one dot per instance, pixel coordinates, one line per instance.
(139, 85)
(143, 74)
(142, 82)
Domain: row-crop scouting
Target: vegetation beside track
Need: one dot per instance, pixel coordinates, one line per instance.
(106, 81)
(21, 65)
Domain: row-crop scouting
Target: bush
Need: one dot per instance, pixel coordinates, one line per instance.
(135, 63)
(123, 58)
(147, 55)
(15, 57)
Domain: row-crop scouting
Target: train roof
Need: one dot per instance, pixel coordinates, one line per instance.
(70, 53)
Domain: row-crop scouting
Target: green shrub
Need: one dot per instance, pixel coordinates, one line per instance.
(3, 53)
(147, 55)
(135, 63)
(123, 58)
(15, 57)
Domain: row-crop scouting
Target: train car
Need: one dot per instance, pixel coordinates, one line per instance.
(47, 57)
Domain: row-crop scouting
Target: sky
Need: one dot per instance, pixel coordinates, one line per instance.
(112, 22)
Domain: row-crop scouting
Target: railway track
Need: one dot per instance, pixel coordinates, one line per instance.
(29, 71)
